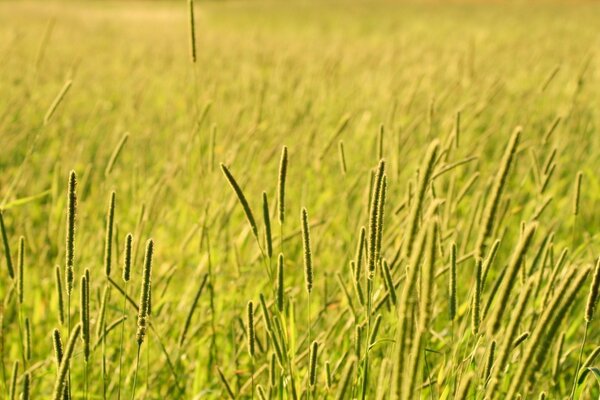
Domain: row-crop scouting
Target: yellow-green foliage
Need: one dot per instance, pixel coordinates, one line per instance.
(408, 204)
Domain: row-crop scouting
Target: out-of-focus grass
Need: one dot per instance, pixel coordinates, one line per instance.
(274, 74)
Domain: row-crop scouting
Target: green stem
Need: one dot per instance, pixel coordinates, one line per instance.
(121, 345)
(579, 361)
(137, 367)
(69, 333)
(309, 343)
(103, 328)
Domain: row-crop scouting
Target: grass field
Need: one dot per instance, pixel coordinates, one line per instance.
(463, 137)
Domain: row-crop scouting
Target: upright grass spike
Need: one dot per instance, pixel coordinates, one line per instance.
(280, 283)
(12, 391)
(267, 222)
(59, 295)
(126, 277)
(374, 220)
(328, 377)
(57, 100)
(592, 300)
(127, 258)
(25, 394)
(242, 199)
(577, 194)
(417, 206)
(71, 216)
(510, 276)
(27, 339)
(491, 207)
(452, 284)
(273, 371)
(7, 256)
(589, 316)
(61, 379)
(251, 337)
(476, 304)
(110, 218)
(144, 303)
(250, 329)
(489, 363)
(308, 265)
(84, 309)
(380, 218)
(360, 246)
(192, 28)
(312, 369)
(308, 269)
(457, 129)
(21, 270)
(342, 157)
(58, 347)
(143, 307)
(281, 184)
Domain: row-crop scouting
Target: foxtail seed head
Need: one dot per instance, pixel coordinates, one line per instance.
(85, 317)
(242, 199)
(280, 280)
(110, 218)
(593, 296)
(577, 195)
(308, 267)
(21, 267)
(313, 363)
(144, 305)
(61, 380)
(281, 183)
(26, 386)
(9, 264)
(192, 27)
(452, 284)
(71, 216)
(127, 258)
(267, 222)
(58, 346)
(59, 296)
(250, 328)
(374, 220)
